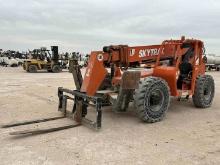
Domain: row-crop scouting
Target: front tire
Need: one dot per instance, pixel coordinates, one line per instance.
(204, 91)
(56, 69)
(32, 68)
(152, 99)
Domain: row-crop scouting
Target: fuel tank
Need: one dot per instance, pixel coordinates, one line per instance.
(213, 59)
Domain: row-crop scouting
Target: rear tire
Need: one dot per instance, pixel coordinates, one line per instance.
(152, 99)
(32, 68)
(56, 69)
(204, 91)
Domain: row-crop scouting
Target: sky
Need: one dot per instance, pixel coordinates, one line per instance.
(86, 25)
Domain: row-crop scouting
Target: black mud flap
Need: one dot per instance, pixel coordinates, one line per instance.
(130, 82)
(130, 79)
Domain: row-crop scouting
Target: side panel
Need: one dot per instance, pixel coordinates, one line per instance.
(94, 75)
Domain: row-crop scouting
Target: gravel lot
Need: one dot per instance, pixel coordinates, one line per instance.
(187, 135)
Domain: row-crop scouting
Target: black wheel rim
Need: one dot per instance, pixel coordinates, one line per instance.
(56, 69)
(207, 92)
(156, 99)
(32, 68)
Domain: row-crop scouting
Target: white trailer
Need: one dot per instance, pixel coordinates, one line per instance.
(8, 62)
(213, 62)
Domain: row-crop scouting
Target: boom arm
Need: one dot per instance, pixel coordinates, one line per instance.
(123, 56)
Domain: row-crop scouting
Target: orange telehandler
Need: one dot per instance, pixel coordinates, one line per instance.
(118, 75)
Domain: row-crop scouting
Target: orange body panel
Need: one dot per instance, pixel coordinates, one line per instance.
(169, 74)
(117, 77)
(94, 75)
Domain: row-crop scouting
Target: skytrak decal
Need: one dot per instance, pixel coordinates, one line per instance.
(146, 52)
(132, 52)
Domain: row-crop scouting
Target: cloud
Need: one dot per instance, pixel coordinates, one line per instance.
(85, 25)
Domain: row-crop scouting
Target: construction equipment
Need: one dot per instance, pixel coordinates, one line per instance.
(117, 75)
(82, 59)
(43, 60)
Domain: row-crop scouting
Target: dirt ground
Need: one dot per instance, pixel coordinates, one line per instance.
(187, 135)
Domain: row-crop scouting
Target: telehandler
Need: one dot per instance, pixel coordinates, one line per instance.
(117, 75)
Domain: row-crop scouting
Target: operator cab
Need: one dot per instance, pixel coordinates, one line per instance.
(185, 66)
